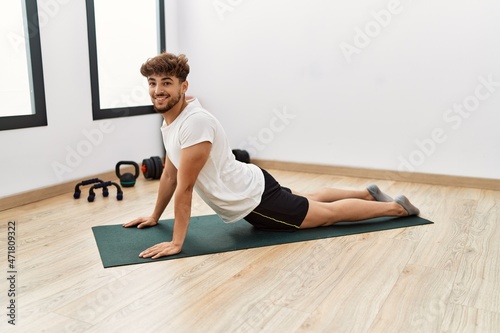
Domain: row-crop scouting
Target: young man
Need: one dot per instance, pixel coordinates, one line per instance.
(199, 158)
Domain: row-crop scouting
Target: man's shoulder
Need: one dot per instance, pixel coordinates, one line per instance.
(198, 113)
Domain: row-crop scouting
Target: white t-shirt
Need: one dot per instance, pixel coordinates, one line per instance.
(231, 188)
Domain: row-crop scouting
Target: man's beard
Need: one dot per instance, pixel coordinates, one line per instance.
(170, 104)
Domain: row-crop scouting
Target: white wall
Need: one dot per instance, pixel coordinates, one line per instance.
(392, 101)
(274, 73)
(78, 146)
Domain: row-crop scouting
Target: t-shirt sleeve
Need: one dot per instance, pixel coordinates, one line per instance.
(197, 128)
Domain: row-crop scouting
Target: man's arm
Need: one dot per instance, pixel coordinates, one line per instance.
(166, 189)
(192, 161)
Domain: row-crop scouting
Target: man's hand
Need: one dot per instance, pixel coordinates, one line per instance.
(161, 250)
(142, 222)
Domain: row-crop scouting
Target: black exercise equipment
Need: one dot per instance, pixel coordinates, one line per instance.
(119, 192)
(77, 193)
(127, 179)
(241, 155)
(152, 167)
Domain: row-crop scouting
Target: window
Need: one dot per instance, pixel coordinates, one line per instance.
(123, 34)
(22, 93)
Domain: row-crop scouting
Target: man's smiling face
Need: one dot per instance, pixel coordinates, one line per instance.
(165, 91)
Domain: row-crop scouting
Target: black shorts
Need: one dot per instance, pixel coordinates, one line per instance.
(279, 209)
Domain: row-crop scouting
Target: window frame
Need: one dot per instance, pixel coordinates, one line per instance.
(97, 112)
(34, 55)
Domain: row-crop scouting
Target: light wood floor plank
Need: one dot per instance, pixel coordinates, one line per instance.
(52, 323)
(477, 283)
(442, 246)
(425, 293)
(347, 301)
(471, 320)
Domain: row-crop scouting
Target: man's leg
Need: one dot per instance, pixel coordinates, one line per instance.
(333, 194)
(372, 192)
(349, 210)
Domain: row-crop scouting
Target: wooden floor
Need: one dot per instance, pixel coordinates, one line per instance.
(443, 277)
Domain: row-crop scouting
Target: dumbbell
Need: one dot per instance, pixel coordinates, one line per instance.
(241, 155)
(152, 167)
(127, 179)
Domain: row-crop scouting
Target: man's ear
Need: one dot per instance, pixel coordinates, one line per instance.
(184, 86)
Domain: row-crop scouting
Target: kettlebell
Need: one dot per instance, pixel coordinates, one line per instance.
(127, 179)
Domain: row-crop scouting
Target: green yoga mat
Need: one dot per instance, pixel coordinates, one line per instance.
(209, 234)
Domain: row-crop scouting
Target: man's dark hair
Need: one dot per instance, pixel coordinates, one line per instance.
(168, 64)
